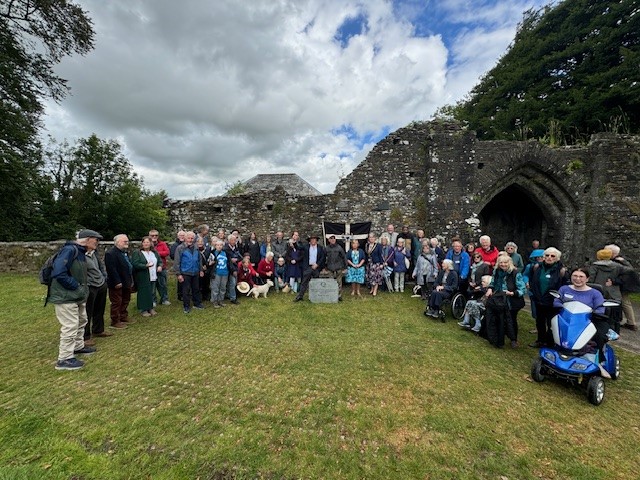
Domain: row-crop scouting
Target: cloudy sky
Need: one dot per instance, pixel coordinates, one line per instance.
(204, 93)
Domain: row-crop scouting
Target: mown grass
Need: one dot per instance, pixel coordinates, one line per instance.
(367, 388)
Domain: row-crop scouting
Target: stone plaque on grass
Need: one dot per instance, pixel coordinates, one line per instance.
(323, 290)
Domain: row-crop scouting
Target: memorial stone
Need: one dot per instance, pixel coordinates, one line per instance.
(323, 290)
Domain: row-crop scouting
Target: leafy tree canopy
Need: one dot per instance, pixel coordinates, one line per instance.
(92, 185)
(572, 70)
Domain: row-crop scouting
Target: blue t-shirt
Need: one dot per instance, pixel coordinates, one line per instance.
(221, 262)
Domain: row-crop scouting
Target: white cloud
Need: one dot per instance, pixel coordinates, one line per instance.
(205, 93)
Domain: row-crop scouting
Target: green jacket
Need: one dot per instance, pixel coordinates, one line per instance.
(140, 269)
(74, 275)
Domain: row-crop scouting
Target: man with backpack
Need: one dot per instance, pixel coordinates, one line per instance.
(68, 292)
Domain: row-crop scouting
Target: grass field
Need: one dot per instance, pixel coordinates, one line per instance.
(367, 388)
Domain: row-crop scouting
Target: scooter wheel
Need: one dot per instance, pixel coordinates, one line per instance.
(595, 390)
(536, 370)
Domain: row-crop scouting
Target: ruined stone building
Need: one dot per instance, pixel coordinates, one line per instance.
(441, 178)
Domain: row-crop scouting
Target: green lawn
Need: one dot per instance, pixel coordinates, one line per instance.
(367, 388)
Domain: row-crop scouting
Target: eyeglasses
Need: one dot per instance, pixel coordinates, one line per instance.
(552, 255)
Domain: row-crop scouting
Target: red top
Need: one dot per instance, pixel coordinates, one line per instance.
(163, 250)
(246, 274)
(489, 256)
(264, 268)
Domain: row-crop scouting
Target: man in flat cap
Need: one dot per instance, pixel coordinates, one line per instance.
(68, 293)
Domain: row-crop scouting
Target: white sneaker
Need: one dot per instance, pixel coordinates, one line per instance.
(166, 302)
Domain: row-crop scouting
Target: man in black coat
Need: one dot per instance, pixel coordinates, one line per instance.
(119, 280)
(313, 262)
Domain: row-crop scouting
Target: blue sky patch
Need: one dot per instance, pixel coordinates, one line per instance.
(359, 140)
(351, 27)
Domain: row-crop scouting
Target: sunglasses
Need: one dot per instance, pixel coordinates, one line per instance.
(552, 255)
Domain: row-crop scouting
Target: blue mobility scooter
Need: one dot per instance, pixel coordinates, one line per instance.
(573, 358)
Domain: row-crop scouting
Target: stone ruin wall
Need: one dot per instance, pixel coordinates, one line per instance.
(439, 177)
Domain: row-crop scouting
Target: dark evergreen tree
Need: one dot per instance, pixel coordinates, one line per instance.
(34, 36)
(573, 69)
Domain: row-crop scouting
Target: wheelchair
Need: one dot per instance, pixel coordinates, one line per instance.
(455, 304)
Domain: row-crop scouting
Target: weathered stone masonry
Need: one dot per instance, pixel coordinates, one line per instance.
(440, 177)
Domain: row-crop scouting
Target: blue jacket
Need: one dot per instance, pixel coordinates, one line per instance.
(399, 256)
(463, 266)
(188, 260)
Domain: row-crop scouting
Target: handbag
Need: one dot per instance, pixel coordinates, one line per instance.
(388, 271)
(498, 301)
(516, 303)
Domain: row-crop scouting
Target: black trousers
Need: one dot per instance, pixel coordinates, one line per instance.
(499, 323)
(307, 275)
(544, 314)
(96, 303)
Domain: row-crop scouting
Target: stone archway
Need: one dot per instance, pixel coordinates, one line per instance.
(529, 204)
(512, 215)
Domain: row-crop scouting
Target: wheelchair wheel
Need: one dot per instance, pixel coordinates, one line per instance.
(458, 302)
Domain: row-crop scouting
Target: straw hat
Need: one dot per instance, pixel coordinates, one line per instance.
(243, 287)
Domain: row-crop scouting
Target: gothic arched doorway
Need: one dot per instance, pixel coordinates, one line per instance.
(514, 215)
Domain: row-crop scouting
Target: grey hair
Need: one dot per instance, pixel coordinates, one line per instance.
(615, 249)
(512, 244)
(448, 261)
(557, 252)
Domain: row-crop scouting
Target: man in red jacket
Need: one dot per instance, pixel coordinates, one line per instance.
(161, 285)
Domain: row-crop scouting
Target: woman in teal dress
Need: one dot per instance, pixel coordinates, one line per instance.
(355, 267)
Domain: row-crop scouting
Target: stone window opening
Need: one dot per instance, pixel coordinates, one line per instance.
(480, 165)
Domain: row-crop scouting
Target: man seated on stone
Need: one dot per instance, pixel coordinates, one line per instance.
(313, 262)
(336, 262)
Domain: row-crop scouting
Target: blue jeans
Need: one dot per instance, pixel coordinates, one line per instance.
(161, 287)
(231, 286)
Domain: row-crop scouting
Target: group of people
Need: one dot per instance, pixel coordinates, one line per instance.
(214, 268)
(82, 281)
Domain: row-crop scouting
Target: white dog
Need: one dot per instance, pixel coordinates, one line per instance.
(260, 289)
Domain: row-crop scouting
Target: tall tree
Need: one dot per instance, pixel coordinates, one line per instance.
(34, 36)
(94, 186)
(571, 70)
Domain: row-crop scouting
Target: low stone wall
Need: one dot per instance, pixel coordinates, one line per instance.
(28, 257)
